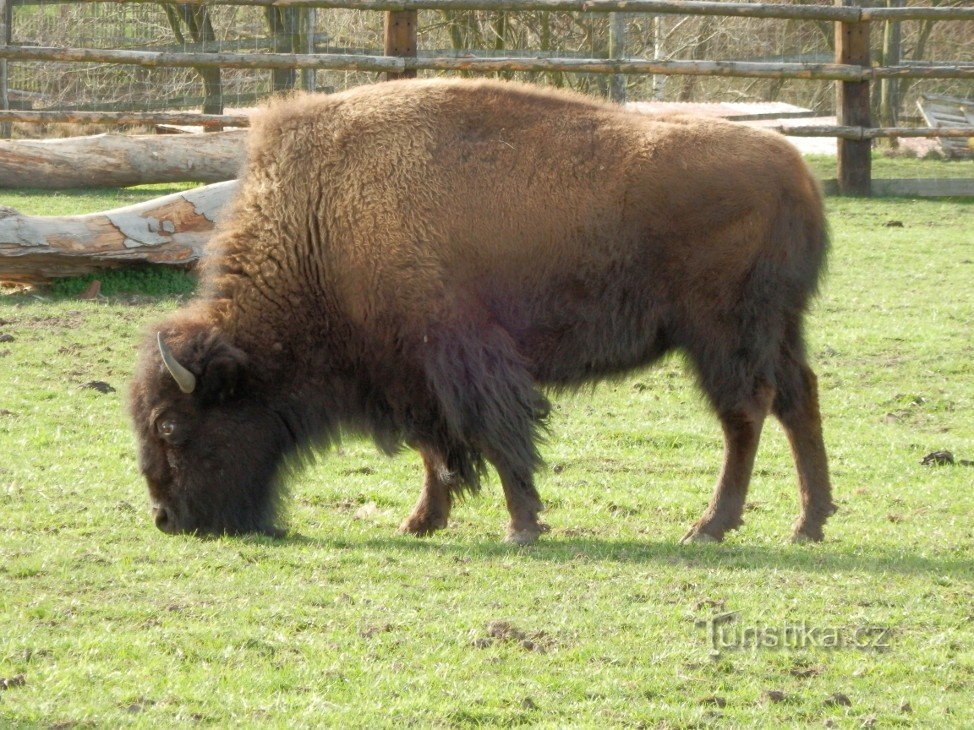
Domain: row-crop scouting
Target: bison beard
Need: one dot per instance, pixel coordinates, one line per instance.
(418, 261)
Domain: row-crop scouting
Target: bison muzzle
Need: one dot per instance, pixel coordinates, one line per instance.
(420, 261)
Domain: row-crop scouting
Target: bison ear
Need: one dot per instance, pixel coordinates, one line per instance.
(222, 368)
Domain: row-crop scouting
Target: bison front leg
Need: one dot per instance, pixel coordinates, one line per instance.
(742, 432)
(432, 511)
(486, 393)
(523, 503)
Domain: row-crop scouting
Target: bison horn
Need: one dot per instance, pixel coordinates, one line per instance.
(183, 377)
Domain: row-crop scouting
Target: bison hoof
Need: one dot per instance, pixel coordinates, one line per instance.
(698, 537)
(527, 535)
(421, 526)
(801, 536)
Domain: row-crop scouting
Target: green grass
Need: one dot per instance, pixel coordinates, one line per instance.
(149, 280)
(884, 166)
(76, 202)
(112, 623)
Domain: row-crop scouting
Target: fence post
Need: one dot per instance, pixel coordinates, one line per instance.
(852, 106)
(6, 19)
(400, 39)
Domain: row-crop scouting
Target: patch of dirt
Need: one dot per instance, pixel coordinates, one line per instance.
(838, 699)
(352, 471)
(70, 319)
(937, 458)
(504, 632)
(5, 412)
(717, 604)
(366, 511)
(11, 682)
(5, 337)
(714, 700)
(893, 224)
(805, 671)
(100, 385)
(773, 696)
(369, 631)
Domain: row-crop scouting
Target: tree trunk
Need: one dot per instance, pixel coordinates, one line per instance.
(200, 26)
(283, 26)
(116, 160)
(701, 50)
(168, 230)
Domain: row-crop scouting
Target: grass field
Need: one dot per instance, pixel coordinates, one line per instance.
(104, 621)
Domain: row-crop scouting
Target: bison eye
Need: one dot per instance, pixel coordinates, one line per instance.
(167, 428)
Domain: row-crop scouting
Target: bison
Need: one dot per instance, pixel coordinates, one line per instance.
(421, 261)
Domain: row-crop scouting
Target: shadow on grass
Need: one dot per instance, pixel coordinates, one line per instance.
(828, 557)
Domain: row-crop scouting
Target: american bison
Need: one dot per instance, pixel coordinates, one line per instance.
(419, 261)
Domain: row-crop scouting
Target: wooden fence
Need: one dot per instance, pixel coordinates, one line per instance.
(852, 67)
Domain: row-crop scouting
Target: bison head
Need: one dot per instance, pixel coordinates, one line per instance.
(210, 450)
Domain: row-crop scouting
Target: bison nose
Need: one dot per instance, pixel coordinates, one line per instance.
(163, 518)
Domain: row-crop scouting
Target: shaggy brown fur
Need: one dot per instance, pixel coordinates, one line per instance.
(418, 260)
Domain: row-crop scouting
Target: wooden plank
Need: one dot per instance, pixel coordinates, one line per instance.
(400, 40)
(918, 13)
(867, 133)
(193, 119)
(126, 118)
(945, 111)
(852, 106)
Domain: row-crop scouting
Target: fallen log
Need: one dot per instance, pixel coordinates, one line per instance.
(118, 160)
(169, 230)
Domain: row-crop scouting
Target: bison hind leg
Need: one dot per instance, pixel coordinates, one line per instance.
(796, 407)
(741, 424)
(735, 365)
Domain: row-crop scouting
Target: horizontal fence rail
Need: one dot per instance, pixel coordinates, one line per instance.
(243, 120)
(490, 64)
(125, 118)
(651, 7)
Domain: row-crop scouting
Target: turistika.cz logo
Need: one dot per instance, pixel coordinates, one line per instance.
(726, 633)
